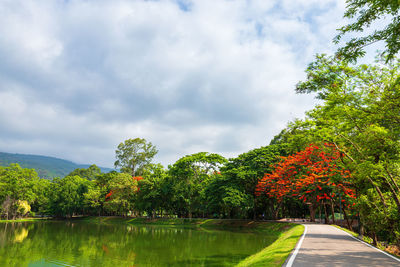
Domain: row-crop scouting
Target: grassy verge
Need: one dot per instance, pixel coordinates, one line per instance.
(391, 249)
(276, 253)
(25, 220)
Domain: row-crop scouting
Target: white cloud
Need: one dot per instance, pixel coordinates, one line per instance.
(78, 77)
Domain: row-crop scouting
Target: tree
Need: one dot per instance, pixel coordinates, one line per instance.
(311, 175)
(359, 115)
(225, 198)
(153, 194)
(93, 199)
(241, 175)
(366, 13)
(134, 155)
(190, 174)
(17, 184)
(90, 173)
(67, 195)
(121, 197)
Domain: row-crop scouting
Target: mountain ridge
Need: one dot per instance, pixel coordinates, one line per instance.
(46, 166)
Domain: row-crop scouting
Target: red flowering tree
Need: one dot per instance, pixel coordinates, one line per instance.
(312, 175)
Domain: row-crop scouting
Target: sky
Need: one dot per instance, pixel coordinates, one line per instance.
(77, 77)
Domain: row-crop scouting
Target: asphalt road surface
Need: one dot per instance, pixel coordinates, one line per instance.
(325, 245)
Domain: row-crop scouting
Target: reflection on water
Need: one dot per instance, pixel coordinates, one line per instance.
(36, 244)
(20, 234)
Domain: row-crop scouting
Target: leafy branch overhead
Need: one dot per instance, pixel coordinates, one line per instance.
(369, 13)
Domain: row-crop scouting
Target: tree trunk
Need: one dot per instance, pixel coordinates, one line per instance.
(379, 191)
(333, 212)
(326, 214)
(374, 239)
(394, 193)
(349, 225)
(276, 211)
(361, 229)
(254, 208)
(320, 216)
(312, 212)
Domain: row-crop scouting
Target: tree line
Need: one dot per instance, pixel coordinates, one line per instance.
(198, 185)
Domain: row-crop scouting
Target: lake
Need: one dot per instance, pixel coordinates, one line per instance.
(70, 243)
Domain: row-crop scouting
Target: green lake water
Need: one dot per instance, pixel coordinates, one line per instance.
(36, 244)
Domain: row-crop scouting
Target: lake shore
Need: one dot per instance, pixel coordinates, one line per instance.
(285, 234)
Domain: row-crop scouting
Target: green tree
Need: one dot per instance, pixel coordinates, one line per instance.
(226, 199)
(153, 194)
(359, 115)
(17, 184)
(366, 12)
(190, 175)
(67, 196)
(93, 199)
(120, 199)
(42, 202)
(90, 173)
(243, 173)
(134, 155)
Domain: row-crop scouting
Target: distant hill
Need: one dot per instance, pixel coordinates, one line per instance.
(46, 167)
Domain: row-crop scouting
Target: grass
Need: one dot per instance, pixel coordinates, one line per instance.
(276, 253)
(24, 220)
(368, 240)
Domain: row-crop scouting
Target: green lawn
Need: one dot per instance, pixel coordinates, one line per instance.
(24, 220)
(277, 252)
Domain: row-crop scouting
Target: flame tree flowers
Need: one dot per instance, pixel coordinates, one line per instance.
(312, 175)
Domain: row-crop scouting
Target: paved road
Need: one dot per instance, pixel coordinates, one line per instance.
(325, 245)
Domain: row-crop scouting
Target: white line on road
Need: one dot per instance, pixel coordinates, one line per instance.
(291, 260)
(387, 254)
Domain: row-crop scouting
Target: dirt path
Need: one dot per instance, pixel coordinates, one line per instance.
(325, 245)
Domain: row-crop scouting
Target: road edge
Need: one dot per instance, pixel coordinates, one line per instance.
(369, 245)
(293, 254)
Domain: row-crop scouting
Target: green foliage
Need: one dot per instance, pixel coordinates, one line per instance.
(123, 189)
(90, 173)
(359, 116)
(93, 199)
(18, 188)
(66, 195)
(240, 176)
(154, 192)
(366, 13)
(134, 155)
(190, 175)
(22, 207)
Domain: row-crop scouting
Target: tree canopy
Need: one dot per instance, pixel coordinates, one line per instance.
(134, 155)
(367, 13)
